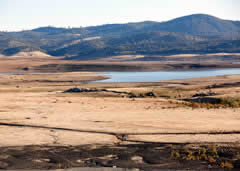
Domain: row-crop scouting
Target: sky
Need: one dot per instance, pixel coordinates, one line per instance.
(16, 15)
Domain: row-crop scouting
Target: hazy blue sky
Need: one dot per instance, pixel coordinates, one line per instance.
(28, 14)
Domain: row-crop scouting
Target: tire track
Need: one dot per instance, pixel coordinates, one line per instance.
(119, 136)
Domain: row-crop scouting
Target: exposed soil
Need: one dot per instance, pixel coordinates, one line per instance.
(143, 156)
(105, 67)
(128, 125)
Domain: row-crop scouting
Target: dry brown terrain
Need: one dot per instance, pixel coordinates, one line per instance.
(40, 62)
(38, 99)
(35, 111)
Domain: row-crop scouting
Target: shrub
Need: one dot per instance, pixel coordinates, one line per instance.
(226, 165)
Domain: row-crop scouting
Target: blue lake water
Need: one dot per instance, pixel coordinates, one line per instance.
(165, 75)
(161, 75)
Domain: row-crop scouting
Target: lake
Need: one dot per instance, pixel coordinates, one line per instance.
(165, 75)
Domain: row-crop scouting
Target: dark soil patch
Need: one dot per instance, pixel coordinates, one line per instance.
(86, 67)
(211, 100)
(107, 67)
(120, 93)
(204, 94)
(154, 156)
(225, 85)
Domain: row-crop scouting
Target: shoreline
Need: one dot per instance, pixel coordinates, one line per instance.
(142, 120)
(57, 65)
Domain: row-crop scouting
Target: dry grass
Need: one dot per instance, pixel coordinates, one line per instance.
(216, 157)
(227, 102)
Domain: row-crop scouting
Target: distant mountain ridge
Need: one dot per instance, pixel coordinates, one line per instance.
(198, 33)
(200, 24)
(196, 24)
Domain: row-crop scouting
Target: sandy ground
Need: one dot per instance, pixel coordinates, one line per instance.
(36, 99)
(122, 116)
(43, 128)
(32, 101)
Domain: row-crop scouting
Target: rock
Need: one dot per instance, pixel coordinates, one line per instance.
(4, 156)
(38, 161)
(79, 161)
(41, 160)
(109, 157)
(137, 159)
(131, 95)
(46, 160)
(76, 90)
(205, 94)
(72, 90)
(91, 163)
(150, 94)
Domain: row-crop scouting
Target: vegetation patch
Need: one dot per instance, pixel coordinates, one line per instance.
(214, 103)
(143, 156)
(216, 157)
(120, 93)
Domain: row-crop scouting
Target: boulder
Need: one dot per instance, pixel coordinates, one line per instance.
(150, 94)
(76, 90)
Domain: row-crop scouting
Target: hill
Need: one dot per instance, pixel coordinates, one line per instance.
(200, 24)
(197, 33)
